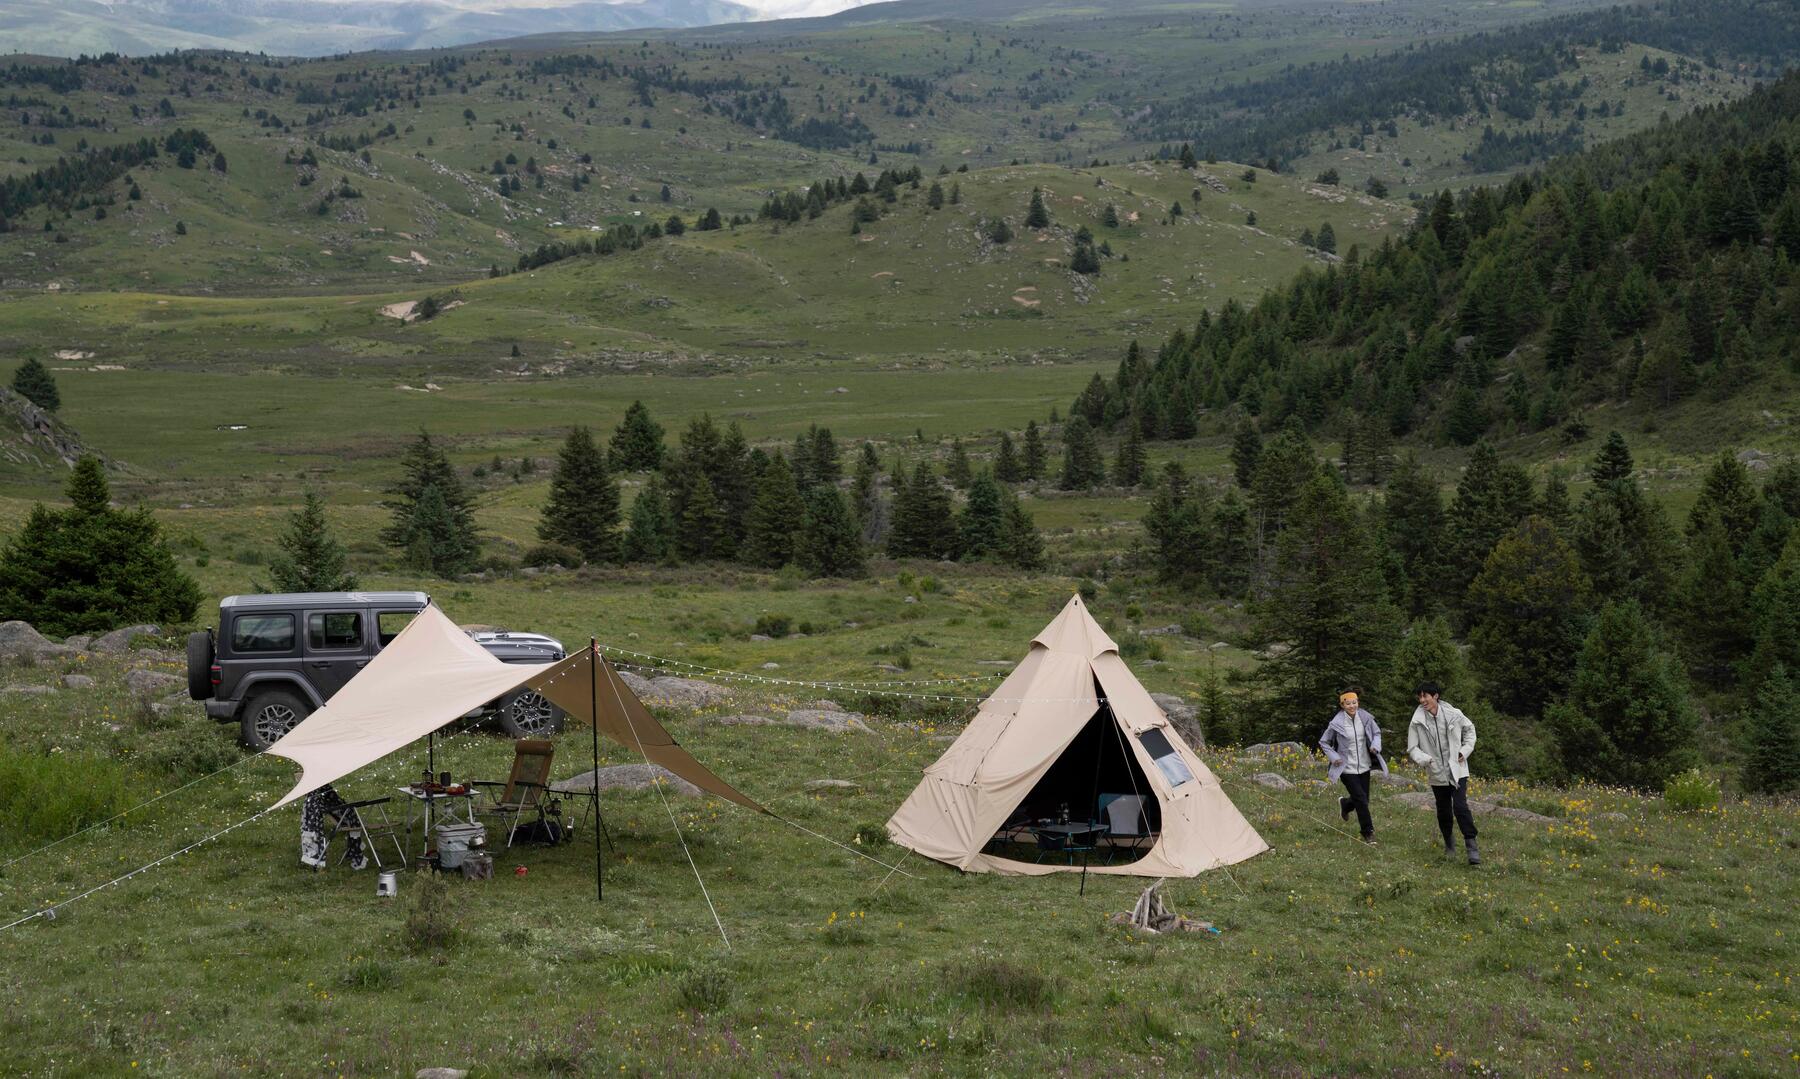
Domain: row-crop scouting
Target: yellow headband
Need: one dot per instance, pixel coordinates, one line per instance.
(1347, 700)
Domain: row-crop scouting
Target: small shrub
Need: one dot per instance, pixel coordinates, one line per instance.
(1089, 590)
(431, 922)
(545, 555)
(47, 797)
(871, 836)
(371, 975)
(191, 752)
(773, 625)
(930, 584)
(996, 983)
(1133, 611)
(1692, 791)
(706, 990)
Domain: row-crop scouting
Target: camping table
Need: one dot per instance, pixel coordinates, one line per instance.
(419, 808)
(1067, 831)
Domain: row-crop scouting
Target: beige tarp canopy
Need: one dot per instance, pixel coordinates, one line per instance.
(1072, 674)
(431, 673)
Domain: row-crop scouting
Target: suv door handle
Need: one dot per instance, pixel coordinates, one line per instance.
(321, 663)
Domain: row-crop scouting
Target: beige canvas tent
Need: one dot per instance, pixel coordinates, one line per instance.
(1072, 726)
(431, 673)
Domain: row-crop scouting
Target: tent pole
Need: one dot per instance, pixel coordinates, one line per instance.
(1094, 792)
(594, 730)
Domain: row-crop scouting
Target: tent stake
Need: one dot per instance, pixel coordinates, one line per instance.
(594, 730)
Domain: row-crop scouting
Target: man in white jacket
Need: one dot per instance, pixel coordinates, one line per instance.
(1441, 738)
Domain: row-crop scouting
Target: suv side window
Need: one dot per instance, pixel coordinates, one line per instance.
(389, 624)
(330, 630)
(262, 633)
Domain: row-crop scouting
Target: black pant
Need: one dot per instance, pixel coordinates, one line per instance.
(1454, 800)
(1357, 783)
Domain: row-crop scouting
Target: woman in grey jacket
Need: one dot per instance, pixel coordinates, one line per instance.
(1352, 743)
(1441, 738)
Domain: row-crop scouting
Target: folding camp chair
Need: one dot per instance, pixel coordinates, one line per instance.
(349, 819)
(524, 790)
(1125, 824)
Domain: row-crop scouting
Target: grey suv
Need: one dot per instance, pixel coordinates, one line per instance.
(274, 659)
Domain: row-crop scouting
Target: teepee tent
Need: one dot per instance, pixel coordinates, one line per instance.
(1071, 726)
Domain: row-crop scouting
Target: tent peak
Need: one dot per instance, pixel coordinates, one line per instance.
(1075, 631)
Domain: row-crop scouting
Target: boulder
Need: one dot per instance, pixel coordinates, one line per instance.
(119, 640)
(152, 683)
(19, 639)
(440, 1073)
(1394, 779)
(1273, 749)
(771, 666)
(28, 691)
(838, 785)
(1182, 718)
(1424, 800)
(78, 681)
(743, 721)
(826, 719)
(79, 640)
(1272, 780)
(627, 777)
(671, 692)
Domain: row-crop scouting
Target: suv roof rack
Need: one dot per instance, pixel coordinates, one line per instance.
(326, 599)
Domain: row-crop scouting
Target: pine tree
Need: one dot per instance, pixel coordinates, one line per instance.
(1327, 239)
(1020, 544)
(1729, 495)
(1773, 746)
(1464, 420)
(1627, 718)
(1007, 466)
(1327, 602)
(446, 543)
(583, 509)
(1714, 632)
(1132, 461)
(1524, 608)
(958, 471)
(91, 568)
(34, 382)
(1426, 652)
(651, 534)
(1037, 216)
(982, 520)
(924, 523)
(1288, 463)
(1246, 453)
(311, 559)
(1413, 524)
(1109, 217)
(1085, 260)
(1775, 617)
(1034, 451)
(637, 443)
(1490, 499)
(1082, 467)
(829, 543)
(775, 517)
(823, 462)
(998, 231)
(934, 197)
(865, 496)
(702, 534)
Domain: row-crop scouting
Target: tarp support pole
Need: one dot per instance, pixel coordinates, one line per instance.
(594, 730)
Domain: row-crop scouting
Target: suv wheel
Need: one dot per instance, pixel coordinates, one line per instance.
(269, 715)
(528, 714)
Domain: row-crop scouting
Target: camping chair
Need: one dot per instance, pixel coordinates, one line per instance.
(1126, 827)
(524, 790)
(1068, 844)
(349, 819)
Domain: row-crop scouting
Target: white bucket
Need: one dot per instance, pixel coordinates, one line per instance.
(387, 885)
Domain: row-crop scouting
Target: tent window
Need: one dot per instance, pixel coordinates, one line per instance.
(1168, 762)
(262, 633)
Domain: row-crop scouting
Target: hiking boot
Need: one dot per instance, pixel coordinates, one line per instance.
(1474, 854)
(1449, 850)
(1344, 807)
(1369, 839)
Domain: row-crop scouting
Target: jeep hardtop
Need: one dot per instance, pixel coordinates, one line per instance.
(274, 659)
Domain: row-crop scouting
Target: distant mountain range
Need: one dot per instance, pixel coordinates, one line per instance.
(323, 27)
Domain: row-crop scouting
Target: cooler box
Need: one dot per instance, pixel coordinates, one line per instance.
(455, 840)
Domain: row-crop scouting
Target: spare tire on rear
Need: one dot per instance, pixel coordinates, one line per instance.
(199, 665)
(526, 713)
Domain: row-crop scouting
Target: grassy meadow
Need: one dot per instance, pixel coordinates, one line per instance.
(1622, 937)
